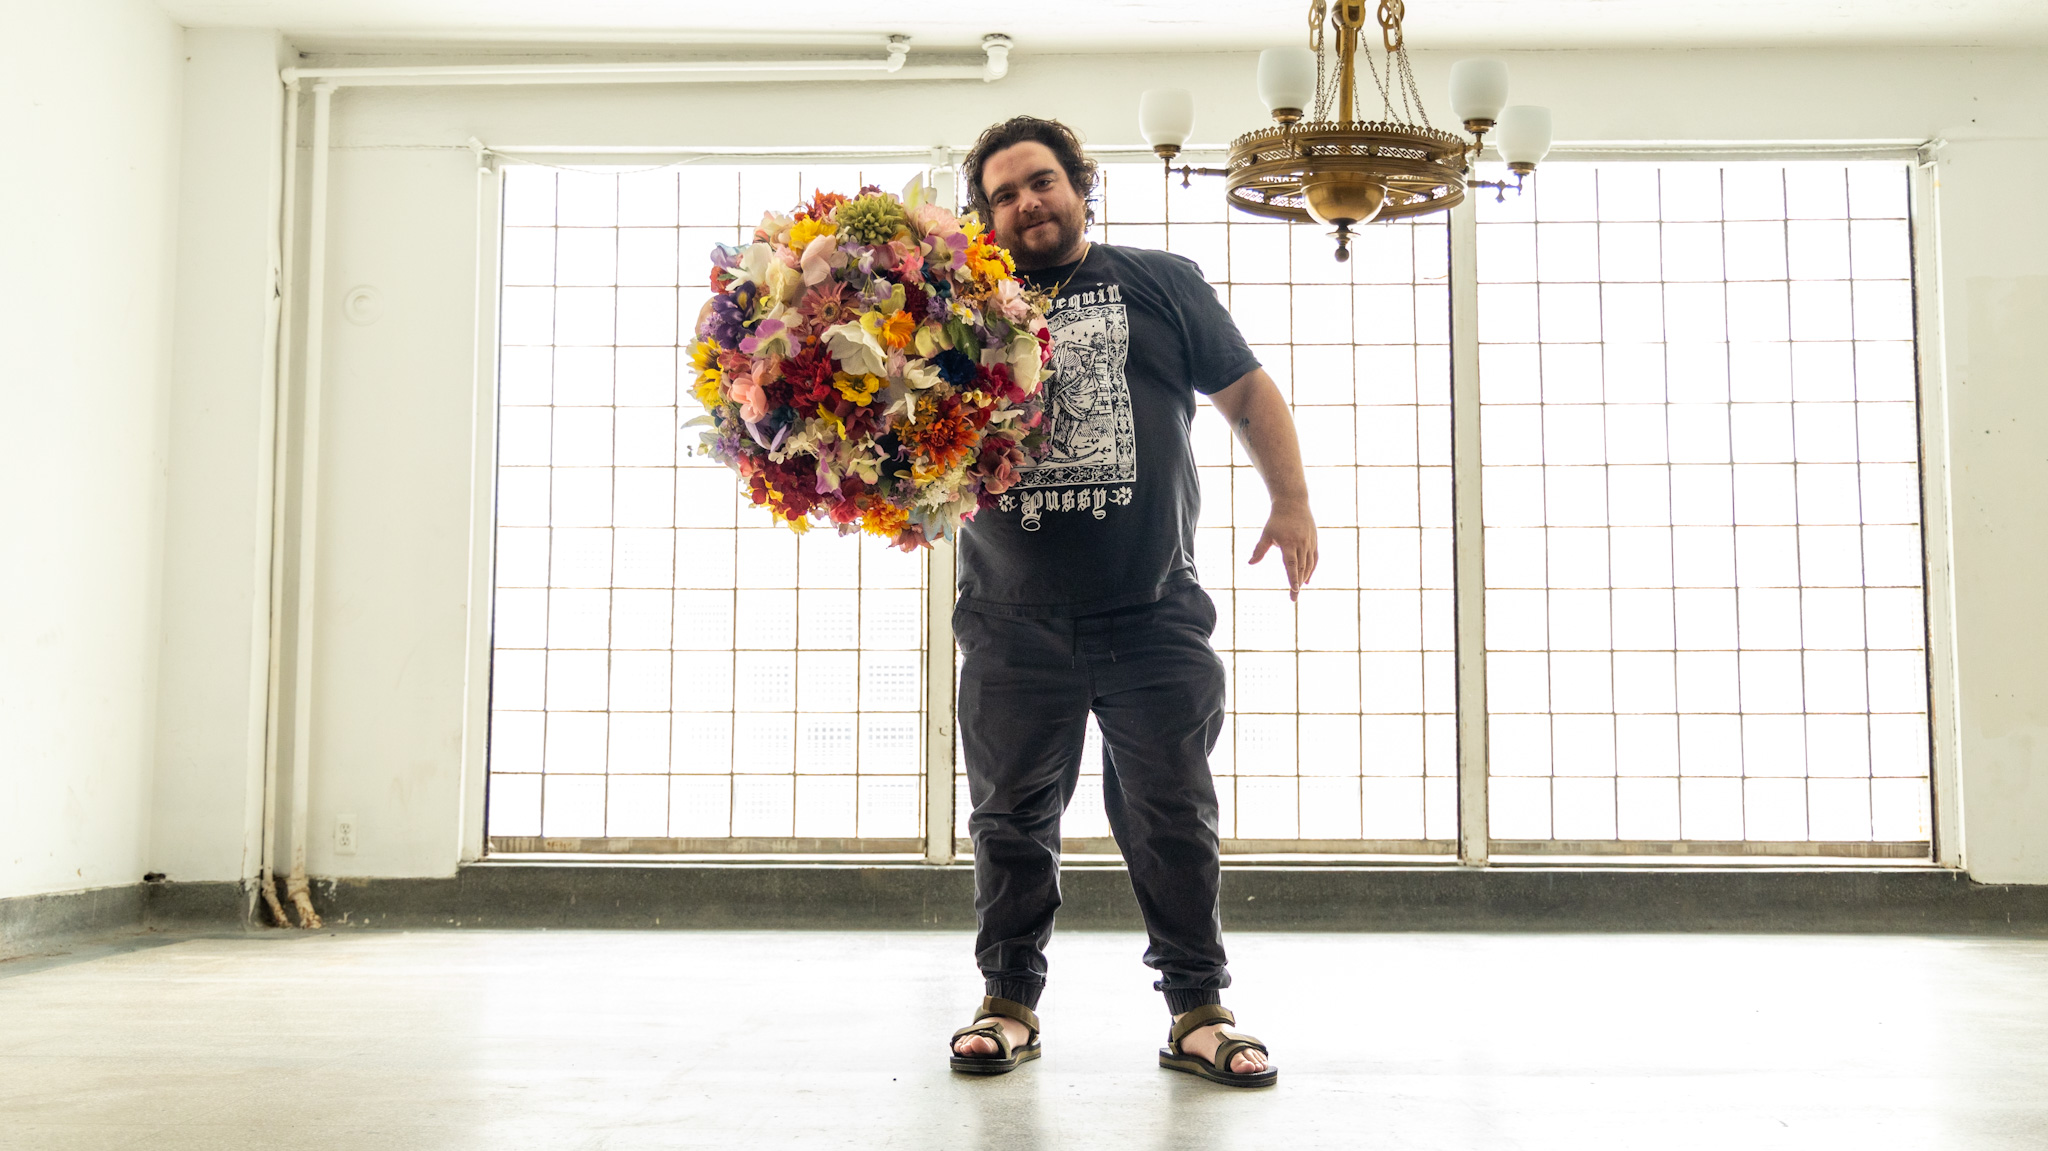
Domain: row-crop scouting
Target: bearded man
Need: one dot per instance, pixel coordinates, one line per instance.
(1078, 595)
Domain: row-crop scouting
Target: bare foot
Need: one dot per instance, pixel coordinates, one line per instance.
(981, 1046)
(1203, 1041)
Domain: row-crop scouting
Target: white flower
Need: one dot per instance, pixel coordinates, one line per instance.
(856, 349)
(785, 284)
(1024, 363)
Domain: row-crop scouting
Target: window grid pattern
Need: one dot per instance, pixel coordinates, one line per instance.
(667, 662)
(1340, 721)
(1705, 603)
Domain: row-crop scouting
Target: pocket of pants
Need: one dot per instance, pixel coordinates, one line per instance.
(966, 628)
(1204, 609)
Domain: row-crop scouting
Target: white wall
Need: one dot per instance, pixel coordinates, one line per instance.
(212, 683)
(393, 583)
(89, 94)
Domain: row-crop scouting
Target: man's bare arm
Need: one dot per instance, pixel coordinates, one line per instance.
(1260, 420)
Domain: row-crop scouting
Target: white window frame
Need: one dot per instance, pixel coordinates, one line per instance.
(1475, 847)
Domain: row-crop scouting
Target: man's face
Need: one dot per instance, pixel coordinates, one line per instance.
(1038, 215)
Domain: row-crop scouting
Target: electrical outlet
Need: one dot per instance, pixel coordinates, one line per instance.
(344, 835)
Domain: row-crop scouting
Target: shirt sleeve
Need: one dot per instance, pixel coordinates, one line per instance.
(1217, 354)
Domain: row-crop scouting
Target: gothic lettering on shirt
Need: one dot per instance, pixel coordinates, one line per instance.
(1035, 505)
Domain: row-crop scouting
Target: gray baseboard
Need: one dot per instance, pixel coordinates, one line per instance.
(34, 924)
(542, 895)
(1277, 898)
(30, 923)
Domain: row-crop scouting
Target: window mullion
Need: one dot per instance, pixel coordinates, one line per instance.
(939, 699)
(1468, 540)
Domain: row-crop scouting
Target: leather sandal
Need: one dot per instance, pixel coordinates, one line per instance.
(985, 1024)
(1174, 1059)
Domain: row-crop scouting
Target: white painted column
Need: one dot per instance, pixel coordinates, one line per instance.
(212, 675)
(304, 639)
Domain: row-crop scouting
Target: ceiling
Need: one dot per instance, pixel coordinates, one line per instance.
(1120, 25)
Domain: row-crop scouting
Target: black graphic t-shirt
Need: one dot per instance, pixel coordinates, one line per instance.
(1107, 518)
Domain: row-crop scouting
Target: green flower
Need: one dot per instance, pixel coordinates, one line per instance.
(872, 219)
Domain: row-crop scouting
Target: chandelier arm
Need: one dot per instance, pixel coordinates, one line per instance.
(1501, 188)
(1188, 172)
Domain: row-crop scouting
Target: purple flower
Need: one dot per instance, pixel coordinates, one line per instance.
(725, 256)
(726, 323)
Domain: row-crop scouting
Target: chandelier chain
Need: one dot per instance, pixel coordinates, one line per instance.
(1408, 90)
(1386, 97)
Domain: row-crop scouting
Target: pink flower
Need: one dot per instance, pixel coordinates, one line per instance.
(909, 257)
(1010, 301)
(817, 259)
(753, 400)
(997, 466)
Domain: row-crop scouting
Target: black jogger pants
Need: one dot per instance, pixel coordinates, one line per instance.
(1156, 689)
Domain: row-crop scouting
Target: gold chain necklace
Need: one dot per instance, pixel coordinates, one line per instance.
(1077, 270)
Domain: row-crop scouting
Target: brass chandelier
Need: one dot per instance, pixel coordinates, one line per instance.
(1324, 164)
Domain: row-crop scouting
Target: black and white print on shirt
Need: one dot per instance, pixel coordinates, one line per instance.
(1093, 439)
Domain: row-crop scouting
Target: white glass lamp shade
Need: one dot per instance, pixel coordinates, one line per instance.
(1287, 79)
(1479, 89)
(1524, 135)
(1166, 116)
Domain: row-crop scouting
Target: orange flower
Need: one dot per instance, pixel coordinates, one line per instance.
(899, 329)
(882, 518)
(942, 433)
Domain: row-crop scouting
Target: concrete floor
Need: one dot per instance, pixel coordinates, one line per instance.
(616, 1040)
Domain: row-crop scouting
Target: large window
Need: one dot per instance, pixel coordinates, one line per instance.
(673, 671)
(1698, 456)
(1702, 490)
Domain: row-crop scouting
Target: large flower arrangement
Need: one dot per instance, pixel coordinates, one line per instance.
(872, 363)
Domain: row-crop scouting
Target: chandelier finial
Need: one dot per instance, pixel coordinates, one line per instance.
(1390, 14)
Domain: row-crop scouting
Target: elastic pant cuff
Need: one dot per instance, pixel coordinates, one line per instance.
(1184, 999)
(1016, 992)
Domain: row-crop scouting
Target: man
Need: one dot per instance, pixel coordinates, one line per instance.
(1078, 594)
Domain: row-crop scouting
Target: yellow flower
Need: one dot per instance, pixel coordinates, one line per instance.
(807, 229)
(989, 263)
(859, 389)
(710, 388)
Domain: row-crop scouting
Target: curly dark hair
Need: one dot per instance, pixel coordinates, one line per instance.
(1065, 145)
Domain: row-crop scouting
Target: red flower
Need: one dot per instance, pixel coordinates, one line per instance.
(915, 299)
(810, 380)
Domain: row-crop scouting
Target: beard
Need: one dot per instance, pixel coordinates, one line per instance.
(1033, 247)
